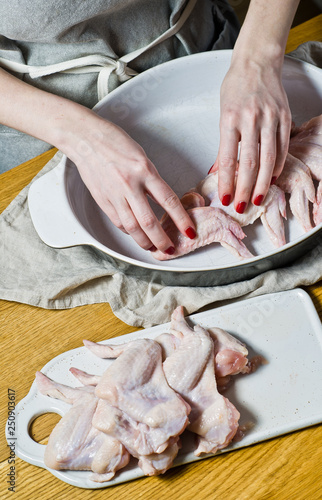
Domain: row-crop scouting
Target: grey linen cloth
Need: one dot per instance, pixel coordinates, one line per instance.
(36, 274)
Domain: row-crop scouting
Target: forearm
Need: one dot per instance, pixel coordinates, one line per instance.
(265, 30)
(114, 168)
(43, 115)
(254, 106)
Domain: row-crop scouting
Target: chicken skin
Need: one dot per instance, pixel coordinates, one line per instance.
(306, 145)
(303, 163)
(309, 132)
(147, 415)
(189, 360)
(213, 225)
(74, 443)
(145, 400)
(296, 180)
(135, 436)
(190, 371)
(271, 212)
(136, 385)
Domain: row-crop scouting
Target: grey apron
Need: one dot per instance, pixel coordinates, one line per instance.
(77, 56)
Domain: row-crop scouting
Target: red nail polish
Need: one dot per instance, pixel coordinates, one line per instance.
(190, 232)
(274, 179)
(210, 169)
(241, 207)
(170, 251)
(152, 249)
(226, 200)
(258, 200)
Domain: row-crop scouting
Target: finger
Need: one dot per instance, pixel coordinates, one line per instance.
(111, 213)
(131, 225)
(247, 170)
(282, 145)
(267, 160)
(170, 202)
(227, 161)
(150, 225)
(213, 167)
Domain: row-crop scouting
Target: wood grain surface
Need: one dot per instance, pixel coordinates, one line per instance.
(306, 32)
(288, 467)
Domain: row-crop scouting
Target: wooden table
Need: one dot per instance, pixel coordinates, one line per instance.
(289, 467)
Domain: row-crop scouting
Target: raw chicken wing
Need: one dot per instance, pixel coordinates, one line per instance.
(309, 132)
(190, 371)
(317, 208)
(213, 225)
(270, 212)
(296, 180)
(306, 145)
(135, 384)
(135, 436)
(230, 354)
(74, 443)
(310, 154)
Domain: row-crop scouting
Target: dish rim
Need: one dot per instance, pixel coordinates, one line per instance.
(162, 266)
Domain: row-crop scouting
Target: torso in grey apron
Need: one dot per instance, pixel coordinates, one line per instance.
(81, 49)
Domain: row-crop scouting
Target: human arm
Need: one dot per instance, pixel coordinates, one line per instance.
(254, 105)
(113, 166)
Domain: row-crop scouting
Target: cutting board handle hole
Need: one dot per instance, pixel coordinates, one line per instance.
(41, 427)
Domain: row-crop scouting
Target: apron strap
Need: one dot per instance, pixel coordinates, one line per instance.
(103, 65)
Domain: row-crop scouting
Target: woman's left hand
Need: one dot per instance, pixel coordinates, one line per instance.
(255, 126)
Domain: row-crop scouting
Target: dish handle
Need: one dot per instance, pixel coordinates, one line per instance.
(51, 212)
(20, 442)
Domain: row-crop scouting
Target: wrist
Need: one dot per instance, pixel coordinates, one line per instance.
(263, 35)
(75, 130)
(265, 52)
(256, 64)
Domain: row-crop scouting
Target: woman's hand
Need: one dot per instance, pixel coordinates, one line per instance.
(120, 177)
(112, 165)
(255, 121)
(255, 127)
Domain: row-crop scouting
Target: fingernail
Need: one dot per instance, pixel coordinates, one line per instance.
(226, 200)
(170, 251)
(152, 249)
(241, 207)
(274, 179)
(210, 169)
(258, 200)
(190, 232)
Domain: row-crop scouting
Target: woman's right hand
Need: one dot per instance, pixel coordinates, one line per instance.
(113, 166)
(120, 178)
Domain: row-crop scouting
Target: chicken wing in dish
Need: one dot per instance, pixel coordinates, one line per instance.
(306, 145)
(271, 212)
(303, 165)
(296, 180)
(214, 225)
